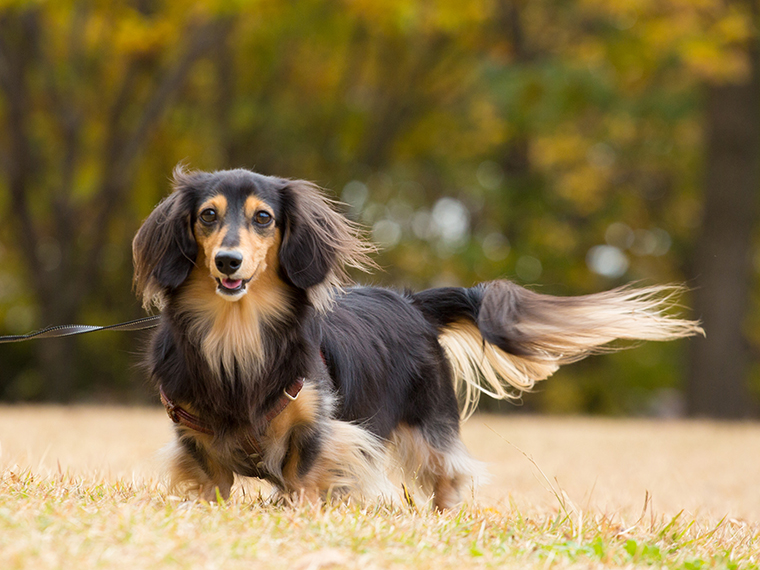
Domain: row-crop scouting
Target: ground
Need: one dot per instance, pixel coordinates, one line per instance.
(82, 485)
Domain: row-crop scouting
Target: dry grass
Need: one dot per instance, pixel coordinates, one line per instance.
(79, 489)
(706, 469)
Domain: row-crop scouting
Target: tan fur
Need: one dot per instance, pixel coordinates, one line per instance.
(231, 331)
(210, 241)
(352, 461)
(480, 367)
(303, 410)
(257, 249)
(567, 329)
(218, 203)
(253, 205)
(557, 330)
(447, 493)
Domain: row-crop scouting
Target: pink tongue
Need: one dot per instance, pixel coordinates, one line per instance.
(232, 283)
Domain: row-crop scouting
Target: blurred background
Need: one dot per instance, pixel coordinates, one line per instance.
(569, 145)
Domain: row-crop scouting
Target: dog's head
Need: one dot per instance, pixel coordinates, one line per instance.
(239, 226)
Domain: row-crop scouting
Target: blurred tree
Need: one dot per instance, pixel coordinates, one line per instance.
(550, 142)
(84, 86)
(723, 262)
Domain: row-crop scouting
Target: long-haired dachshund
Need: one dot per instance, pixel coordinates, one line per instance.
(270, 369)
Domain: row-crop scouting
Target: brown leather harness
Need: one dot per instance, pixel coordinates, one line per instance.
(249, 443)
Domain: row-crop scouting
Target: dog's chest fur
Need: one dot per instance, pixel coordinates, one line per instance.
(231, 335)
(230, 361)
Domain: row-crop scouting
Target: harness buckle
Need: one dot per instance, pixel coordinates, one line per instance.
(169, 406)
(289, 397)
(171, 411)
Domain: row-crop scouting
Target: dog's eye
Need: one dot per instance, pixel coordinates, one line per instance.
(262, 218)
(208, 216)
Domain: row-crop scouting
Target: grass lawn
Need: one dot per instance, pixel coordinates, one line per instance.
(80, 488)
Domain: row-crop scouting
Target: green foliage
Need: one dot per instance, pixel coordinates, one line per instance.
(557, 144)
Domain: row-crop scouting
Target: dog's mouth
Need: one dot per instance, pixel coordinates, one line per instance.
(229, 286)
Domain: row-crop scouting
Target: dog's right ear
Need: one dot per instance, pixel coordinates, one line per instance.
(164, 249)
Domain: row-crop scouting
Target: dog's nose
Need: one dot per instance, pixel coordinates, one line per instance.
(228, 262)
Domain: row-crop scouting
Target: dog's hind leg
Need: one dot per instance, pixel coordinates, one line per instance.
(440, 465)
(457, 470)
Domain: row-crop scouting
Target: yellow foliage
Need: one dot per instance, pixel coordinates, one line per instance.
(622, 129)
(736, 25)
(558, 149)
(559, 237)
(714, 62)
(601, 94)
(590, 51)
(447, 16)
(583, 187)
(138, 34)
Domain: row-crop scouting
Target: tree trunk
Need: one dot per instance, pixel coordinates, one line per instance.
(719, 363)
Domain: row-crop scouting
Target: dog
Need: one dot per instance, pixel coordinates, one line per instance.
(271, 368)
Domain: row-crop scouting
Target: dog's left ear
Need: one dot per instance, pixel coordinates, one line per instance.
(318, 243)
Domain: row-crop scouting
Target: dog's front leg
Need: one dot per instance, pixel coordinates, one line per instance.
(217, 488)
(194, 470)
(303, 450)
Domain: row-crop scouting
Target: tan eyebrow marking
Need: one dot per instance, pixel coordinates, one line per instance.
(218, 203)
(253, 205)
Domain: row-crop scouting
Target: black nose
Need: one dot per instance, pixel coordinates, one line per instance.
(228, 262)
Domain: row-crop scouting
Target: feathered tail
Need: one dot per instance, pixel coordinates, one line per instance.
(502, 338)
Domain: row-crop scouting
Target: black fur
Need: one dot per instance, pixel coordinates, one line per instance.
(374, 356)
(305, 261)
(167, 239)
(386, 363)
(375, 349)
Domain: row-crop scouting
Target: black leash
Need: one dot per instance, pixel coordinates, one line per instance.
(68, 330)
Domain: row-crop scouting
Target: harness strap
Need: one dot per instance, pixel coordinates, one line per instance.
(250, 443)
(181, 416)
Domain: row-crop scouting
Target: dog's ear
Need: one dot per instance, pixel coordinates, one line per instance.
(318, 243)
(164, 249)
